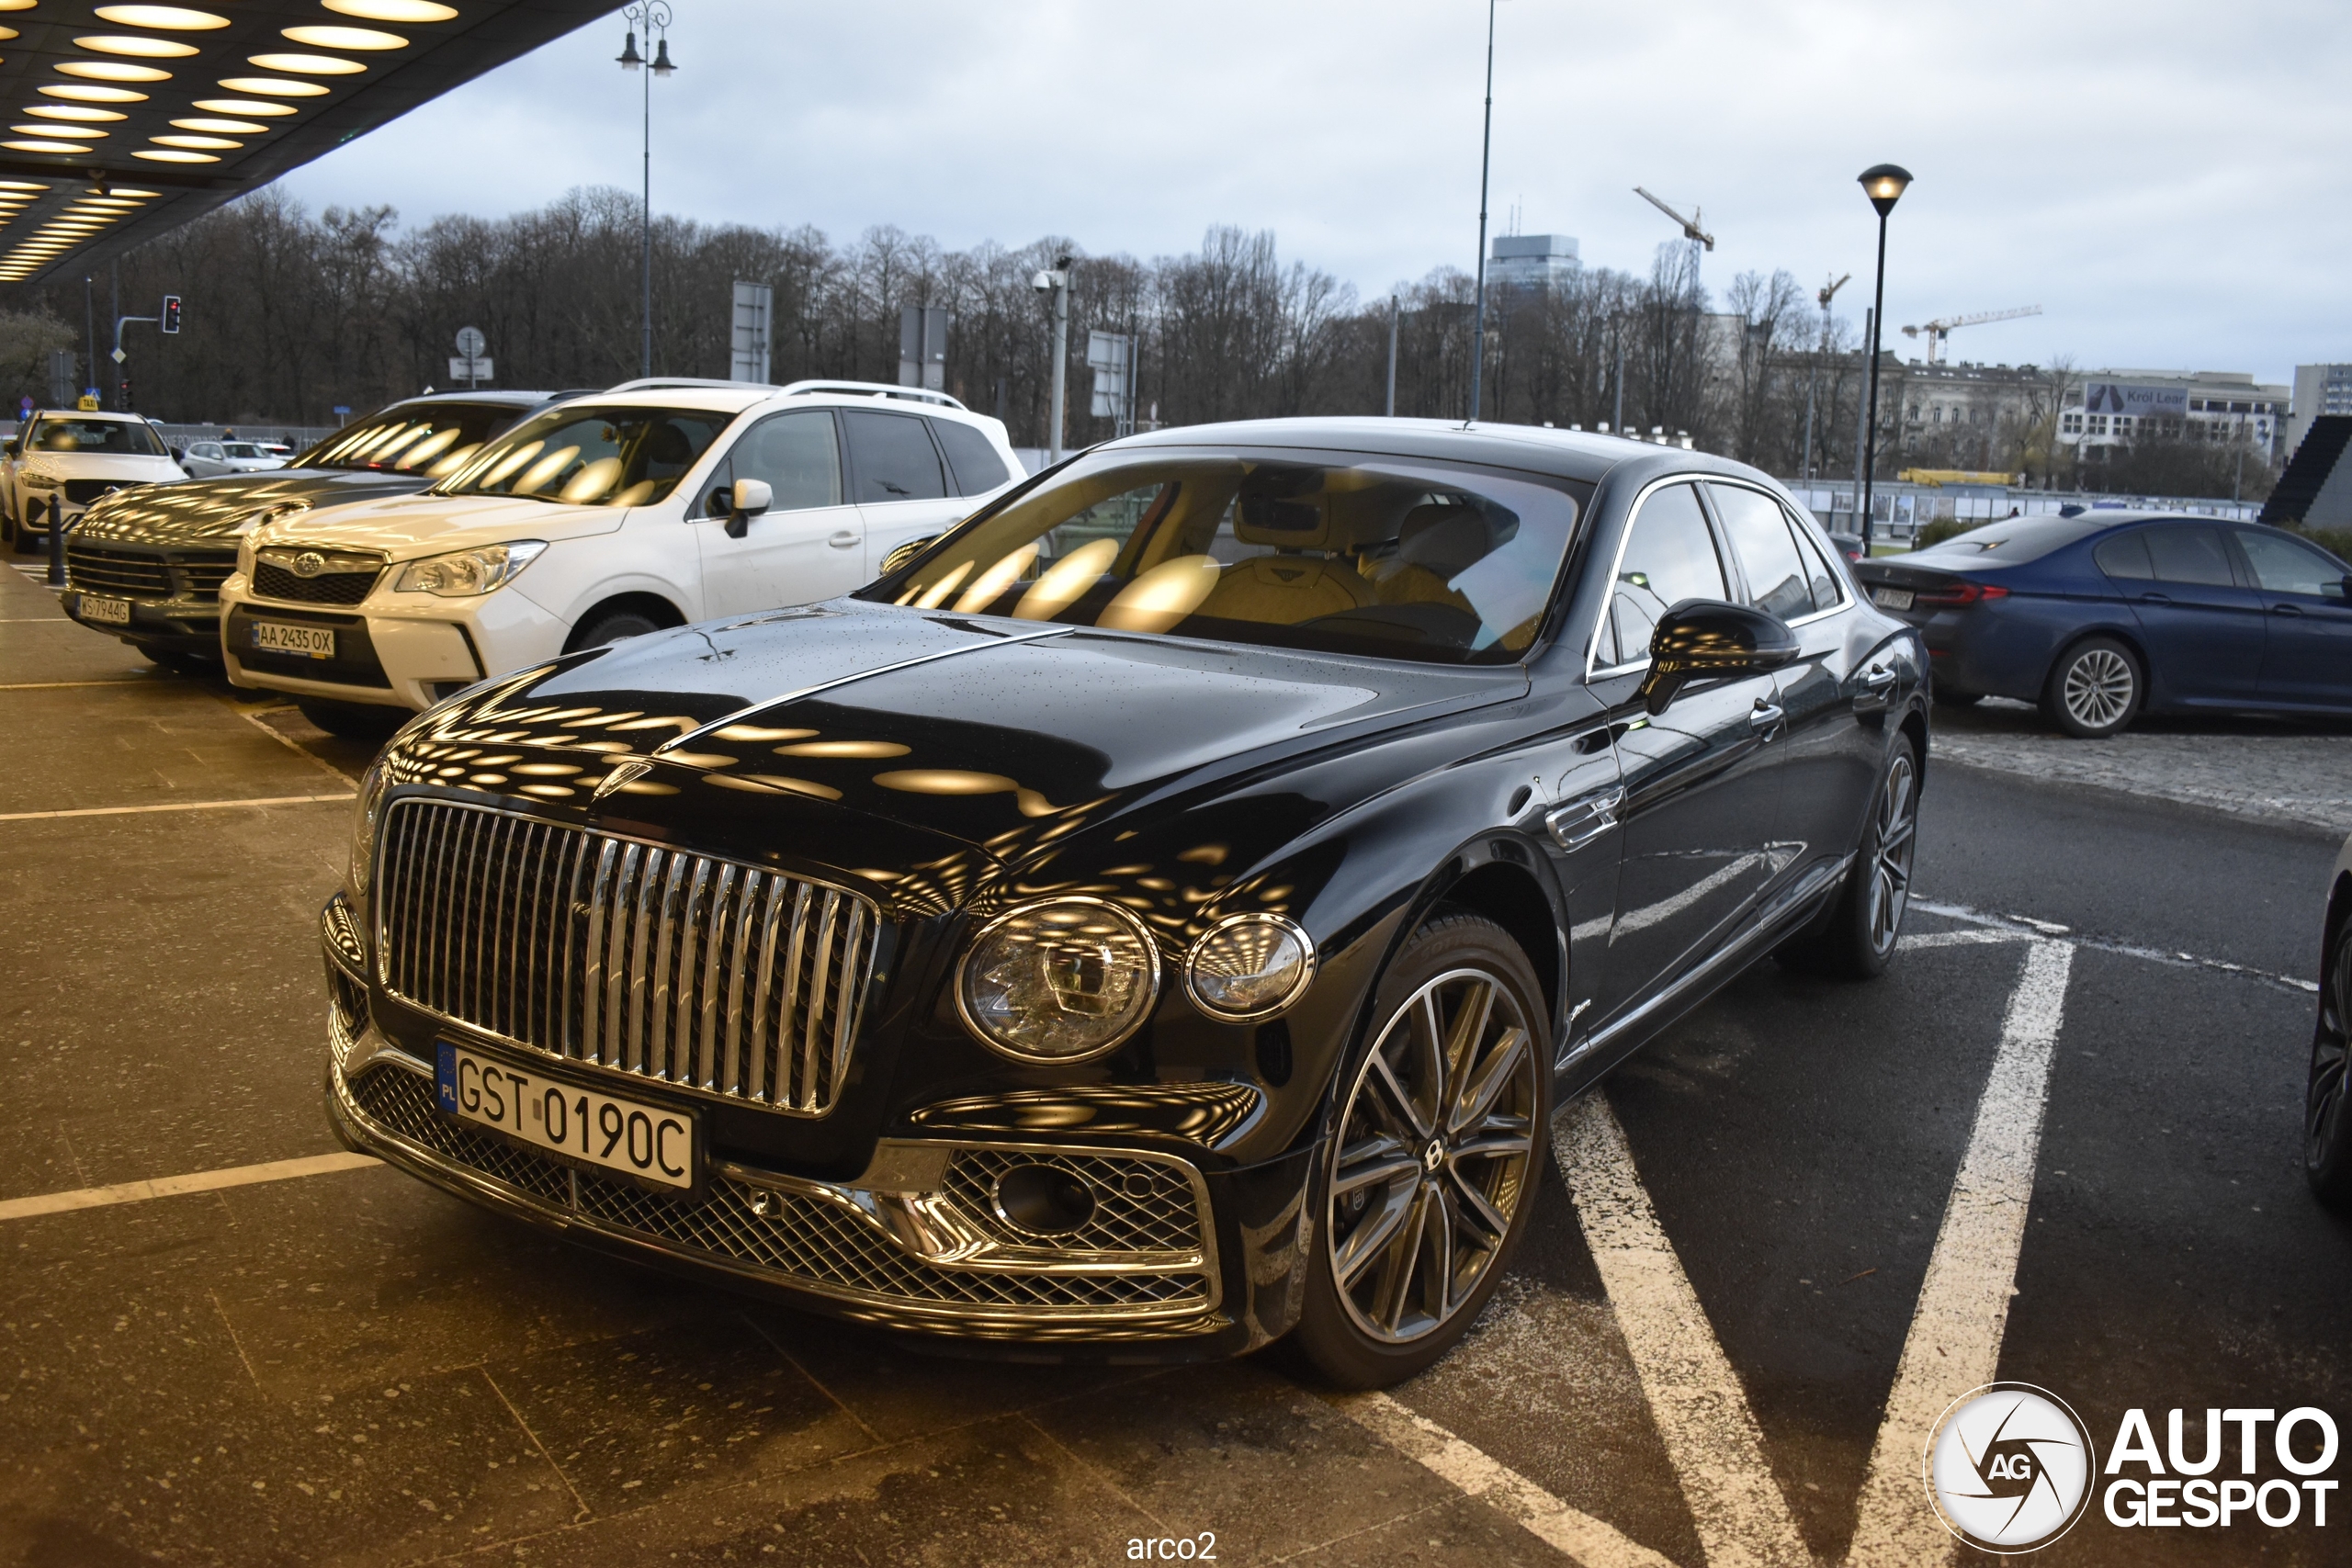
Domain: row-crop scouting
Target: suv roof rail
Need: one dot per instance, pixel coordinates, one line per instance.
(877, 390)
(662, 383)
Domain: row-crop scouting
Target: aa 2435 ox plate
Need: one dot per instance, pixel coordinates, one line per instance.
(277, 636)
(626, 1135)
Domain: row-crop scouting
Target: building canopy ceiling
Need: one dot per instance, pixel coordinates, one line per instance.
(126, 120)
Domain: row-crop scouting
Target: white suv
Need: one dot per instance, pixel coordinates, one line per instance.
(607, 515)
(62, 462)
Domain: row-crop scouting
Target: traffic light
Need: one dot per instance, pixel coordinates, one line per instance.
(171, 322)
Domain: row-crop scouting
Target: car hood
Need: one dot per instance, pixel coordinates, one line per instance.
(196, 511)
(406, 527)
(100, 466)
(1007, 736)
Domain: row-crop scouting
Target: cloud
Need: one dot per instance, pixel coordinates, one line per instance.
(2165, 179)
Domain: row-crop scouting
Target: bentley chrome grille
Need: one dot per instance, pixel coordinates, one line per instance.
(707, 973)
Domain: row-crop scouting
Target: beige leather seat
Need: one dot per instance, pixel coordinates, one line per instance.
(1434, 545)
(1297, 583)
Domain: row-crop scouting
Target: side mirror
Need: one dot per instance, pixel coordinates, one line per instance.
(1701, 637)
(752, 497)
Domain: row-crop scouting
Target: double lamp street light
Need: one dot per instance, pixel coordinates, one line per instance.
(653, 15)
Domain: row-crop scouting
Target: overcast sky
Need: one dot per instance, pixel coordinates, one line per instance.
(2167, 180)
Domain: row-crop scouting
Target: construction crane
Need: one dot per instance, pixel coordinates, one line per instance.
(1699, 239)
(1938, 330)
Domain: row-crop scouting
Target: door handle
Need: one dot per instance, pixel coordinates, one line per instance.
(1765, 715)
(2156, 598)
(1878, 687)
(2295, 610)
(1585, 819)
(842, 538)
(1879, 678)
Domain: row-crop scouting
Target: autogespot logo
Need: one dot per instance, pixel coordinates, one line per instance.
(2009, 1467)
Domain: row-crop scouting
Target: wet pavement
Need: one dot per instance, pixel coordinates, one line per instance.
(346, 1366)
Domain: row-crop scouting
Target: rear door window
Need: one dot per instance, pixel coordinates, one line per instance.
(977, 467)
(2191, 554)
(1777, 579)
(1669, 556)
(892, 457)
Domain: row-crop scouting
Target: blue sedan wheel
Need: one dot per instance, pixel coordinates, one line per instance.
(2094, 690)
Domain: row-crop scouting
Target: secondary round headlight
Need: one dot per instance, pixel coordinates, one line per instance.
(1058, 981)
(365, 820)
(1247, 967)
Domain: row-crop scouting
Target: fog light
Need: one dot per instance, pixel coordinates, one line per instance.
(1044, 1200)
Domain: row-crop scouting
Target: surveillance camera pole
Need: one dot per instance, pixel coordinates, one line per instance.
(1057, 283)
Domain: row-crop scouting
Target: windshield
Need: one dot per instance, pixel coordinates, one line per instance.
(591, 456)
(1391, 556)
(2019, 539)
(430, 439)
(111, 437)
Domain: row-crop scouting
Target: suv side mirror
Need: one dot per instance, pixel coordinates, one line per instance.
(752, 497)
(1701, 637)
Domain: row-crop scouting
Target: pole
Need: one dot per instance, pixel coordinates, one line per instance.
(1485, 160)
(1619, 426)
(645, 229)
(1392, 355)
(1869, 428)
(1061, 359)
(90, 328)
(114, 292)
(1862, 420)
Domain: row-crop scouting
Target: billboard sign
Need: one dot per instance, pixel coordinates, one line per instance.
(2137, 402)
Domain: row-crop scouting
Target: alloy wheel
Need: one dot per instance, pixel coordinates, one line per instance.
(1895, 837)
(2097, 689)
(1432, 1164)
(2323, 1107)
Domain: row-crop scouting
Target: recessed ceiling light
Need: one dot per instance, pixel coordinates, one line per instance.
(169, 18)
(74, 92)
(194, 141)
(112, 71)
(18, 5)
(275, 86)
(7, 32)
(146, 48)
(61, 111)
(393, 10)
(243, 106)
(84, 131)
(126, 190)
(173, 155)
(307, 64)
(223, 127)
(44, 146)
(344, 38)
(21, 185)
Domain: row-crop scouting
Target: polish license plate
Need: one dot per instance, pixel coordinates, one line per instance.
(114, 612)
(1891, 598)
(604, 1129)
(277, 636)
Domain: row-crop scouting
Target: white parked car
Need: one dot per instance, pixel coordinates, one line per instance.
(211, 459)
(605, 516)
(62, 462)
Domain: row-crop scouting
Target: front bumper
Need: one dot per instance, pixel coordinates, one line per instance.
(405, 651)
(173, 591)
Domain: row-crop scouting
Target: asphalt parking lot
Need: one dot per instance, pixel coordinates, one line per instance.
(2057, 1144)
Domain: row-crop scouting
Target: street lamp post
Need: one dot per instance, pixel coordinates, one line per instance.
(1884, 184)
(1485, 160)
(653, 15)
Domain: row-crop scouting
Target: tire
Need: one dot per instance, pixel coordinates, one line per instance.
(2327, 1117)
(1855, 937)
(1427, 1184)
(614, 625)
(2094, 689)
(353, 721)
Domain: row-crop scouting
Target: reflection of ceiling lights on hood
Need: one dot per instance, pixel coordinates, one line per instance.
(111, 70)
(141, 48)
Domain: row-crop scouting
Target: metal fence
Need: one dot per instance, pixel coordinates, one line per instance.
(1899, 510)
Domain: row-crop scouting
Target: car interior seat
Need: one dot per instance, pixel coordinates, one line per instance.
(1308, 575)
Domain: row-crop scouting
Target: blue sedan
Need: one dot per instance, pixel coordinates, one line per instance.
(2104, 614)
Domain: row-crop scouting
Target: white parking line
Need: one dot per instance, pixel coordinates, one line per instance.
(2026, 925)
(1955, 1339)
(173, 1186)
(1473, 1473)
(63, 685)
(1696, 1398)
(173, 806)
(1960, 938)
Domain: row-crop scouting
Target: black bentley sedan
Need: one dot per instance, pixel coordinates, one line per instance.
(1160, 917)
(146, 564)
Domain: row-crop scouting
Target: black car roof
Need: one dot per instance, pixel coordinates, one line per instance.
(1568, 454)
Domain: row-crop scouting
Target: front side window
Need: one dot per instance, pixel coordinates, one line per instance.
(892, 457)
(1392, 558)
(1669, 556)
(796, 455)
(591, 456)
(96, 437)
(1759, 531)
(431, 440)
(2283, 565)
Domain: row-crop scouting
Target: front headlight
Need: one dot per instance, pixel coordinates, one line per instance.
(1059, 981)
(35, 479)
(465, 573)
(364, 823)
(1248, 967)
